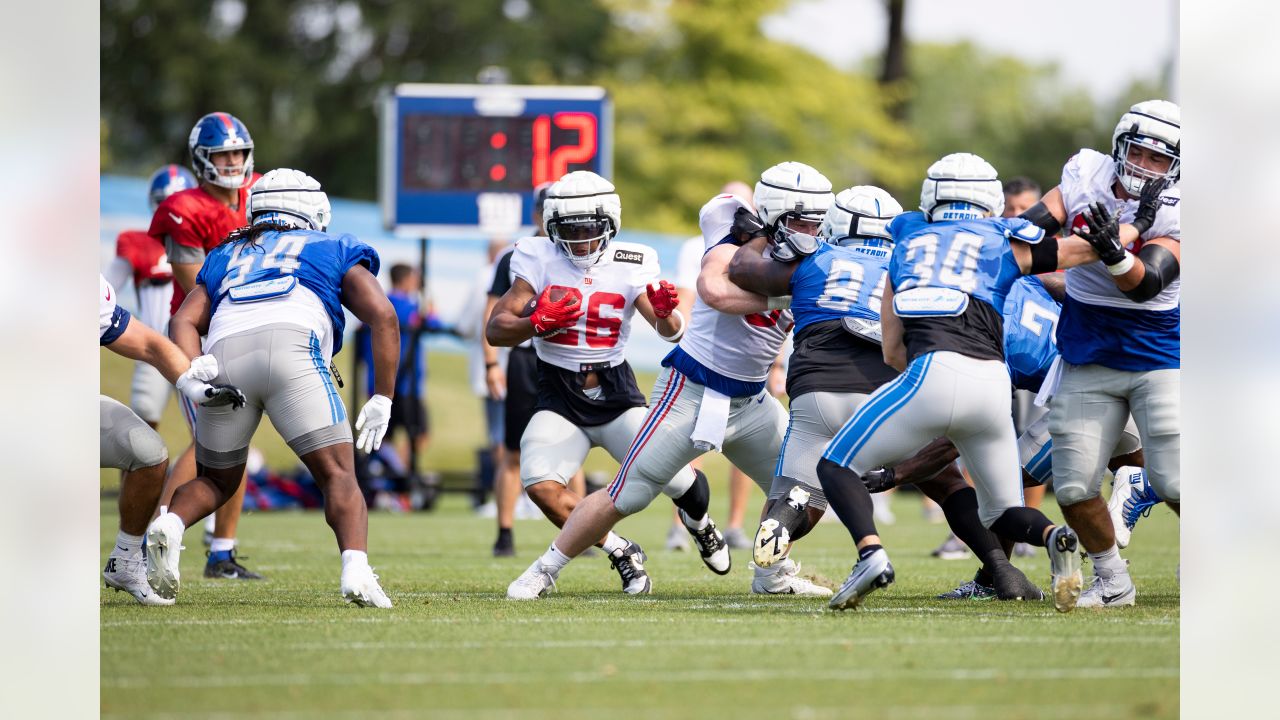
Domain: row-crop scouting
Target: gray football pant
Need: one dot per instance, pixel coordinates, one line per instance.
(941, 393)
(124, 440)
(753, 437)
(282, 371)
(816, 417)
(1087, 417)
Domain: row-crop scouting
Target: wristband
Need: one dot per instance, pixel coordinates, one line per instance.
(678, 333)
(1123, 266)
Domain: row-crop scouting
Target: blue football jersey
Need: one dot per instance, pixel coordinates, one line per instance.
(317, 261)
(1030, 322)
(971, 256)
(835, 282)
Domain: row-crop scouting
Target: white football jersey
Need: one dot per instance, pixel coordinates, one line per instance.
(741, 347)
(106, 305)
(1087, 178)
(609, 290)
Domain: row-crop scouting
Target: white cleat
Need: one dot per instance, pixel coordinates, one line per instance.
(1064, 568)
(163, 545)
(784, 579)
(773, 538)
(868, 575)
(1125, 482)
(532, 584)
(360, 587)
(711, 546)
(129, 574)
(1115, 591)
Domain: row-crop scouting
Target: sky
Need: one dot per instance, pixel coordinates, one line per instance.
(1081, 36)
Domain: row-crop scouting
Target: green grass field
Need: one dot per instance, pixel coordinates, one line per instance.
(701, 646)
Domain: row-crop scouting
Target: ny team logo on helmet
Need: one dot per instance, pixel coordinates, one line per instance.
(219, 132)
(291, 197)
(582, 213)
(1155, 125)
(791, 190)
(962, 186)
(859, 218)
(167, 181)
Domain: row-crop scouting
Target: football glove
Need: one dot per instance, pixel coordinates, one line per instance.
(1103, 233)
(372, 423)
(663, 298)
(1149, 204)
(746, 226)
(880, 480)
(550, 316)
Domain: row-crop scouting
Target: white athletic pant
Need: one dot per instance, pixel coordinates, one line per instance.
(941, 393)
(752, 439)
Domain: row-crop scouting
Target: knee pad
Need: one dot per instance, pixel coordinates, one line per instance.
(146, 447)
(1072, 493)
(781, 488)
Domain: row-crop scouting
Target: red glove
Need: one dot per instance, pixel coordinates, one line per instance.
(663, 298)
(550, 316)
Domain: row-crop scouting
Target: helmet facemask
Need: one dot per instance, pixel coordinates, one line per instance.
(582, 238)
(233, 177)
(1133, 177)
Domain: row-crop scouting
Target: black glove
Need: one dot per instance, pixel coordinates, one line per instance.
(1103, 233)
(880, 480)
(219, 395)
(1149, 203)
(746, 226)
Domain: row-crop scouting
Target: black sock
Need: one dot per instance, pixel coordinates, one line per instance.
(504, 534)
(864, 553)
(697, 499)
(848, 497)
(961, 510)
(984, 577)
(1022, 524)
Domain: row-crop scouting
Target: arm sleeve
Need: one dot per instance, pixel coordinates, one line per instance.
(502, 275)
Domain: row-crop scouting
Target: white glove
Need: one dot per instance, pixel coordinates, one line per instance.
(194, 385)
(204, 367)
(372, 423)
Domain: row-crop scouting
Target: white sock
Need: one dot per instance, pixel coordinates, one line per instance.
(222, 545)
(210, 522)
(692, 524)
(1108, 562)
(554, 560)
(354, 557)
(130, 544)
(613, 542)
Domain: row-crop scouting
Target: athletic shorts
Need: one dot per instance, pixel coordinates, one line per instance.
(282, 371)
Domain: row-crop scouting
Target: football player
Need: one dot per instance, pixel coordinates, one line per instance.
(142, 257)
(190, 223)
(835, 297)
(587, 393)
(951, 267)
(711, 395)
(129, 444)
(270, 302)
(1120, 328)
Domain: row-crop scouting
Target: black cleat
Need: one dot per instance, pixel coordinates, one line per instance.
(711, 546)
(629, 562)
(505, 545)
(228, 568)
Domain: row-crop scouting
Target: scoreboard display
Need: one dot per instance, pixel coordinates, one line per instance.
(458, 158)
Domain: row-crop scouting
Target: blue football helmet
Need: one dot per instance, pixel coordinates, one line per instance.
(220, 132)
(167, 181)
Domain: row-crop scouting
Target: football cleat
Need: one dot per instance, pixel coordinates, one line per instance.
(953, 548)
(1132, 497)
(784, 579)
(629, 562)
(360, 587)
(736, 539)
(677, 540)
(870, 574)
(1011, 584)
(971, 590)
(225, 567)
(1115, 591)
(162, 547)
(773, 538)
(129, 574)
(1064, 568)
(505, 545)
(532, 584)
(711, 546)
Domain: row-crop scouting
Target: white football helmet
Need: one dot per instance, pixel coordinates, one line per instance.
(1156, 125)
(582, 213)
(791, 189)
(859, 217)
(289, 196)
(962, 186)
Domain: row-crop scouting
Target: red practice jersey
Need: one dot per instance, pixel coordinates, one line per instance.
(145, 256)
(196, 219)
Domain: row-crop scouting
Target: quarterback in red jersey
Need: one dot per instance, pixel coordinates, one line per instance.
(190, 223)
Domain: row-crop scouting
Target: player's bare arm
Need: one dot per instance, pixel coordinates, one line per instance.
(365, 298)
(139, 342)
(718, 291)
(1055, 284)
(506, 327)
(752, 271)
(1052, 254)
(191, 321)
(495, 377)
(892, 343)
